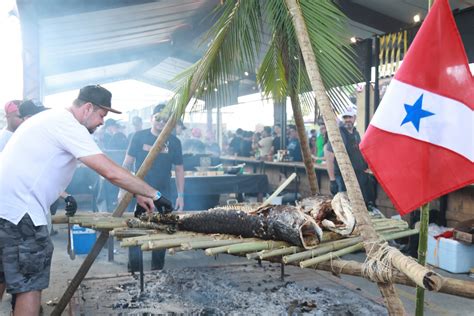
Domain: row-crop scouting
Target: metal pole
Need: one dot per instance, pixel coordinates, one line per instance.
(376, 79)
(367, 73)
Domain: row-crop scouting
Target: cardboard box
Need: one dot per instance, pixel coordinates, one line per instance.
(465, 232)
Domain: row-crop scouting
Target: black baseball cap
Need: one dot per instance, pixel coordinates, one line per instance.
(30, 107)
(158, 108)
(99, 96)
(111, 122)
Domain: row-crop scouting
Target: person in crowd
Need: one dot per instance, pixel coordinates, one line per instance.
(246, 144)
(265, 143)
(137, 124)
(235, 143)
(294, 146)
(114, 138)
(255, 139)
(194, 145)
(159, 174)
(12, 116)
(321, 141)
(39, 162)
(276, 144)
(24, 111)
(351, 139)
(179, 130)
(312, 141)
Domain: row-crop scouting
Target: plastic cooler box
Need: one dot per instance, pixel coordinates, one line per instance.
(450, 255)
(82, 239)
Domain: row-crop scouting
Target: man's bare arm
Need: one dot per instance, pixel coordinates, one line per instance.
(118, 175)
(329, 156)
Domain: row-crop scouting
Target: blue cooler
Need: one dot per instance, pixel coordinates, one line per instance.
(82, 239)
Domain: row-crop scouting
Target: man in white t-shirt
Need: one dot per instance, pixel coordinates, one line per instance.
(265, 144)
(14, 120)
(35, 167)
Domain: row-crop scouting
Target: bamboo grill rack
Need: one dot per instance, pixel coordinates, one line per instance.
(324, 257)
(331, 247)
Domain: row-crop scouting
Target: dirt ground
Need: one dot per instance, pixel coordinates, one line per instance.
(193, 283)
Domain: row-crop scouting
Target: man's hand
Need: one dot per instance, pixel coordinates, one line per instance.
(71, 205)
(139, 210)
(146, 203)
(163, 205)
(333, 187)
(179, 203)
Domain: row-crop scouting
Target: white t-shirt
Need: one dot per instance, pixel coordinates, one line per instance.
(5, 136)
(266, 145)
(38, 163)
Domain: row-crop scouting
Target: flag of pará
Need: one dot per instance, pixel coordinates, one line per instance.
(420, 142)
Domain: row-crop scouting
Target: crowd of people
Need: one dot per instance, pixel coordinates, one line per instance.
(265, 143)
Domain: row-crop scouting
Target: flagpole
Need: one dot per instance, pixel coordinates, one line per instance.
(422, 243)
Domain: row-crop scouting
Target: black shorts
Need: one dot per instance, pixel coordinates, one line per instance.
(25, 256)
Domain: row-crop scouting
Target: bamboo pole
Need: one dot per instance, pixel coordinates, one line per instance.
(255, 246)
(211, 243)
(353, 248)
(252, 255)
(111, 225)
(169, 243)
(322, 249)
(450, 286)
(422, 246)
(139, 240)
(216, 250)
(279, 252)
(331, 255)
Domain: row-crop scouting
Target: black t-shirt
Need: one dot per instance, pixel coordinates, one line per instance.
(351, 142)
(276, 144)
(118, 141)
(245, 148)
(234, 144)
(159, 174)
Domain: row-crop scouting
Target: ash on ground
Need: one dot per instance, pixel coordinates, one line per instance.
(237, 290)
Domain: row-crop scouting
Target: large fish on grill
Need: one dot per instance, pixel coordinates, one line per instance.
(272, 222)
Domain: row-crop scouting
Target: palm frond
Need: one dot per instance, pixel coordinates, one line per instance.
(233, 41)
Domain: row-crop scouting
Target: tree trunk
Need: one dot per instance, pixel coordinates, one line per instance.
(393, 302)
(307, 159)
(299, 121)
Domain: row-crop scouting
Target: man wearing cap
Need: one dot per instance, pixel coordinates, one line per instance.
(159, 174)
(113, 138)
(351, 139)
(14, 120)
(39, 162)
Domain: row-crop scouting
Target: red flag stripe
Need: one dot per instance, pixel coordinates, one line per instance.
(436, 60)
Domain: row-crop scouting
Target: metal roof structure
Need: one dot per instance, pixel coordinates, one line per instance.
(71, 43)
